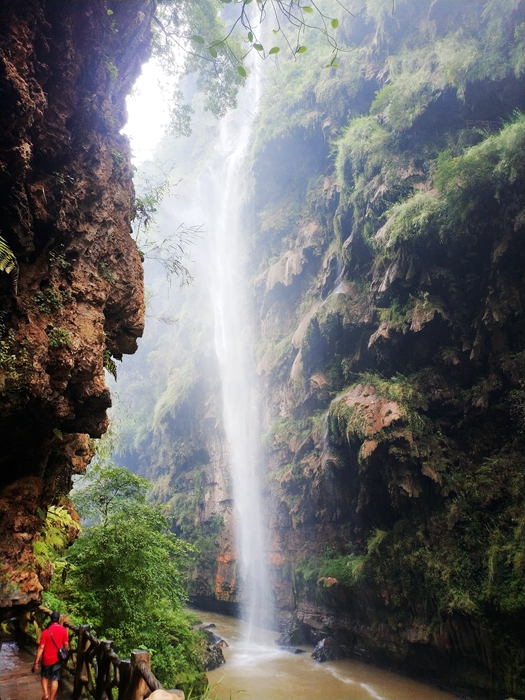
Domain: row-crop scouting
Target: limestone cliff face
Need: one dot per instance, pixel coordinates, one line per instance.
(67, 194)
(389, 292)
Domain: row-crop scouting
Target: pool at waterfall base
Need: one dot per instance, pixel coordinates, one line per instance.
(263, 671)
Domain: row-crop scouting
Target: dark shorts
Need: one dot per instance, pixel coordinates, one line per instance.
(52, 673)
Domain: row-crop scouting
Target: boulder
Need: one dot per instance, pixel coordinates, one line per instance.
(214, 658)
(328, 649)
(162, 694)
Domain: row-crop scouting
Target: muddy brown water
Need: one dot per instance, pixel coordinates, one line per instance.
(265, 672)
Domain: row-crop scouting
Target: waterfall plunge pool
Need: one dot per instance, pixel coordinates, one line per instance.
(263, 671)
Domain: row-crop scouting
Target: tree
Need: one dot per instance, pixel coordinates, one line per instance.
(109, 491)
(192, 37)
(127, 576)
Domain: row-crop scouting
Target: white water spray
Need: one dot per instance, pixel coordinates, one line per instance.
(232, 342)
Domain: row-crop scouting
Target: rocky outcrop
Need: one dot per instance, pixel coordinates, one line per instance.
(393, 367)
(67, 198)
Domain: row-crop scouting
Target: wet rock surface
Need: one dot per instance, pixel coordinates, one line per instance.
(213, 658)
(78, 301)
(329, 649)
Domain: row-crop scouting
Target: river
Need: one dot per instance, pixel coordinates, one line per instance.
(265, 672)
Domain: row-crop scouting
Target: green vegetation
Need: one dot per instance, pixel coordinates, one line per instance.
(468, 186)
(58, 531)
(106, 272)
(112, 69)
(109, 364)
(8, 261)
(58, 337)
(15, 363)
(58, 259)
(479, 563)
(484, 45)
(125, 574)
(48, 301)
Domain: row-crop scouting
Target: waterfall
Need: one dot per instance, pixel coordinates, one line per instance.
(229, 227)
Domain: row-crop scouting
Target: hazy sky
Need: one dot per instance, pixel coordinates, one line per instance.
(147, 113)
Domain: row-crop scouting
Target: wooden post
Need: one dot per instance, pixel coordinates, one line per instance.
(82, 644)
(108, 654)
(124, 679)
(138, 686)
(153, 683)
(103, 671)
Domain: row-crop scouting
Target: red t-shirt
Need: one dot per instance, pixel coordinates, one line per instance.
(60, 637)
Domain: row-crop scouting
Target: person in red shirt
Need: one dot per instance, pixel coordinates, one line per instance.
(53, 637)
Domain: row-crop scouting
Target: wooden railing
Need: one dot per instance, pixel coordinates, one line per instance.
(95, 666)
(485, 124)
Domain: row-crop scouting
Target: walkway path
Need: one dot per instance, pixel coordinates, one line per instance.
(16, 680)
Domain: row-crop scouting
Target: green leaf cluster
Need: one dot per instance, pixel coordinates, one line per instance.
(58, 337)
(7, 258)
(59, 529)
(126, 576)
(15, 364)
(468, 186)
(48, 301)
(185, 24)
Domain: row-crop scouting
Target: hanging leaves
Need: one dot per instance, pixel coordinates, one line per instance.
(7, 257)
(333, 63)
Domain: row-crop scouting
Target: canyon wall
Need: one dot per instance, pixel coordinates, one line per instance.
(389, 290)
(75, 298)
(387, 257)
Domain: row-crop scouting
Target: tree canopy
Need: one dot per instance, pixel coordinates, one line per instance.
(213, 38)
(126, 576)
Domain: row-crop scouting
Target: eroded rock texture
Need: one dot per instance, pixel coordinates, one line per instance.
(66, 197)
(393, 365)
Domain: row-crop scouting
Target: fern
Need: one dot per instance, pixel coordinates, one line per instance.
(7, 258)
(109, 364)
(58, 530)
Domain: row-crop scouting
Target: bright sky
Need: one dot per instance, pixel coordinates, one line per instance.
(147, 112)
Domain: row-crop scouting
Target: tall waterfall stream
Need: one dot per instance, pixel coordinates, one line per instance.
(232, 343)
